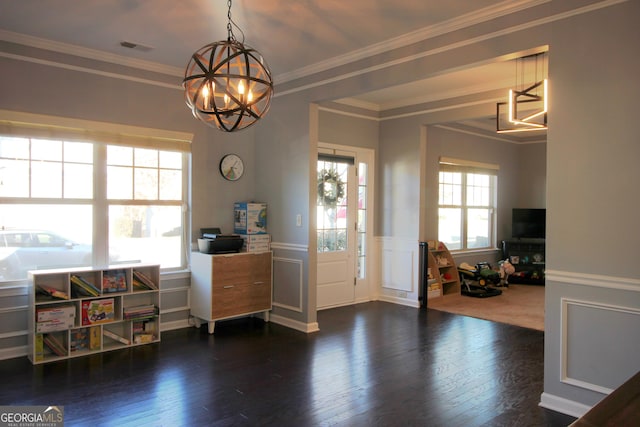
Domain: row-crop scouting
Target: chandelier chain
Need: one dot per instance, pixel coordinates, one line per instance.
(230, 24)
(230, 35)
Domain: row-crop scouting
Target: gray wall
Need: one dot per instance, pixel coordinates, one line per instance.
(341, 129)
(532, 176)
(398, 190)
(593, 288)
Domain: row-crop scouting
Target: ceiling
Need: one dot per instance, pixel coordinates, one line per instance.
(167, 32)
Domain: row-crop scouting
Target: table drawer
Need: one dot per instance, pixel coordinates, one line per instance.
(237, 299)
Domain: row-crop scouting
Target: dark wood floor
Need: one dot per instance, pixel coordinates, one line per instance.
(374, 364)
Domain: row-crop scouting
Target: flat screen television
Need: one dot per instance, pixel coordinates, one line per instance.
(529, 223)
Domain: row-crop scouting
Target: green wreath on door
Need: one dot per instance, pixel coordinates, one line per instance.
(330, 187)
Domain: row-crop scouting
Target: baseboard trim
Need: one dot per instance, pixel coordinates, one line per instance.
(294, 324)
(13, 352)
(562, 405)
(400, 301)
(177, 324)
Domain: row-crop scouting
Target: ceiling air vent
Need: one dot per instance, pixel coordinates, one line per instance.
(136, 46)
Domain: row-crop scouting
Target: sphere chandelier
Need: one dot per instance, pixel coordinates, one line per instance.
(227, 84)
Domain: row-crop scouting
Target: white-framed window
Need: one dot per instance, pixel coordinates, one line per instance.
(72, 198)
(467, 193)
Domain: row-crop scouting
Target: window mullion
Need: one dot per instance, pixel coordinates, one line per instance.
(464, 213)
(100, 206)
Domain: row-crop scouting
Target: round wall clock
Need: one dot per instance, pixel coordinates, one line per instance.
(231, 167)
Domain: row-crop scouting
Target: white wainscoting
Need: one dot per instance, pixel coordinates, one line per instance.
(595, 336)
(398, 270)
(288, 286)
(599, 369)
(288, 283)
(14, 312)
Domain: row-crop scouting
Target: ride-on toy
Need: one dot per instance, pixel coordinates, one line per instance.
(477, 281)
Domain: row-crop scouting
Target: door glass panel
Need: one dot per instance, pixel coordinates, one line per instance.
(332, 206)
(362, 220)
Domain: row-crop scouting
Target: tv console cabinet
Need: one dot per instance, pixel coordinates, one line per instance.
(528, 259)
(225, 286)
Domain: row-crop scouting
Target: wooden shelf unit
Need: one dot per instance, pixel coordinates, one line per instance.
(224, 286)
(528, 258)
(443, 269)
(81, 324)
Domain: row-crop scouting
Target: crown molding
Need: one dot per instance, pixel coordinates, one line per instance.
(501, 9)
(354, 102)
(495, 137)
(439, 96)
(94, 54)
(483, 15)
(473, 18)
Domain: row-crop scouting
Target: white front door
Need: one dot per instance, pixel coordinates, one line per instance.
(342, 227)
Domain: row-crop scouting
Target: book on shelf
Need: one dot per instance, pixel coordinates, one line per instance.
(38, 347)
(98, 311)
(52, 292)
(144, 331)
(140, 311)
(141, 326)
(95, 338)
(114, 281)
(81, 287)
(55, 325)
(55, 312)
(85, 339)
(143, 282)
(143, 338)
(107, 333)
(79, 340)
(55, 345)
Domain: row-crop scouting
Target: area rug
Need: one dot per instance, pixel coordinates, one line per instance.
(520, 305)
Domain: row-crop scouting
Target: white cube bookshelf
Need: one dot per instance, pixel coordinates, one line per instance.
(114, 307)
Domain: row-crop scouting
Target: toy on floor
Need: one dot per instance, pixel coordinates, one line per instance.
(471, 289)
(481, 273)
(477, 281)
(506, 270)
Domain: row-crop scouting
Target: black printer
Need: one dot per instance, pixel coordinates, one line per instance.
(212, 241)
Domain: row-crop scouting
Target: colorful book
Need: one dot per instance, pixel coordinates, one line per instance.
(95, 339)
(144, 331)
(39, 347)
(79, 340)
(115, 337)
(114, 281)
(140, 311)
(143, 338)
(82, 287)
(85, 339)
(52, 292)
(55, 325)
(55, 312)
(54, 345)
(142, 281)
(98, 311)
